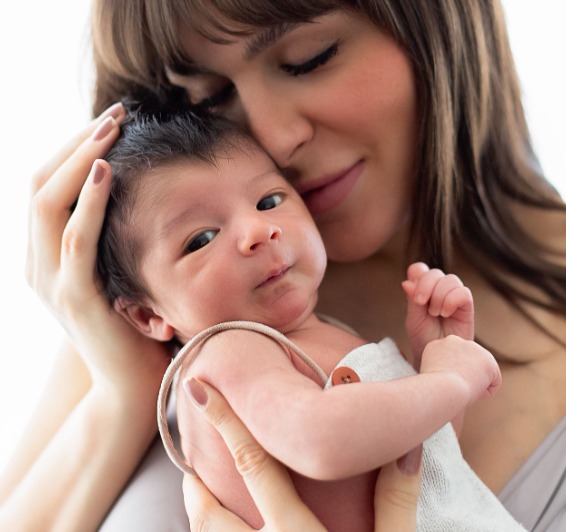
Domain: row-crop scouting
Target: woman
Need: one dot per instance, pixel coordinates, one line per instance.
(401, 124)
(98, 416)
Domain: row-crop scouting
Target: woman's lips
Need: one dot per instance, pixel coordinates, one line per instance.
(332, 191)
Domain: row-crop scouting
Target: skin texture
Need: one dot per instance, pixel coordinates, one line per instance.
(321, 114)
(103, 396)
(496, 438)
(193, 219)
(268, 482)
(230, 214)
(320, 125)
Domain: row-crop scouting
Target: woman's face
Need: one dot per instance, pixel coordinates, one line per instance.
(334, 103)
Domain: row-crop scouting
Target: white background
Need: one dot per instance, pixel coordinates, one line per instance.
(45, 99)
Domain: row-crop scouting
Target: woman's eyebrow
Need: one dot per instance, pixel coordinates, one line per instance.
(266, 38)
(256, 44)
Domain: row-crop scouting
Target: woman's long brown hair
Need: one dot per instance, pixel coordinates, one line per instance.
(475, 162)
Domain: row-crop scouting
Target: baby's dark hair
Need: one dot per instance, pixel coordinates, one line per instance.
(150, 139)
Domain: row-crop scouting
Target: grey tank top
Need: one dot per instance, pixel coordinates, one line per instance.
(536, 494)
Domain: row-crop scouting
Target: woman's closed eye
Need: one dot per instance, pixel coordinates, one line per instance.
(219, 98)
(313, 63)
(201, 240)
(225, 93)
(269, 202)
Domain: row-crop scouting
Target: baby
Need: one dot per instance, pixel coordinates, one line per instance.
(203, 231)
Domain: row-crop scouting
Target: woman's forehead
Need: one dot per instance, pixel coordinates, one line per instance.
(223, 21)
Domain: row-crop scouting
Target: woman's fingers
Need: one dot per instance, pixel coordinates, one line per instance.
(397, 493)
(267, 480)
(51, 204)
(50, 167)
(81, 234)
(64, 185)
(205, 513)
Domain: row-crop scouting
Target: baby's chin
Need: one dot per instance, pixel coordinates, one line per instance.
(284, 318)
(291, 319)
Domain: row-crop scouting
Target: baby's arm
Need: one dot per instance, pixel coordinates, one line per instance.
(438, 305)
(348, 429)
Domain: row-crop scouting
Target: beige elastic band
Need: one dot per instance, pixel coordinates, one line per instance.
(183, 354)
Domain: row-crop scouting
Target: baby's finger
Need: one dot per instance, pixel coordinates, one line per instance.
(425, 286)
(443, 286)
(458, 299)
(416, 270)
(408, 287)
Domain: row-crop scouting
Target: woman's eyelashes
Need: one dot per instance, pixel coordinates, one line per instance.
(201, 240)
(223, 96)
(217, 99)
(312, 64)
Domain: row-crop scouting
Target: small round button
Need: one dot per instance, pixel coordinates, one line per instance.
(344, 375)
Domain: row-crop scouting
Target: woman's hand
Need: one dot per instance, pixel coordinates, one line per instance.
(396, 494)
(91, 437)
(62, 252)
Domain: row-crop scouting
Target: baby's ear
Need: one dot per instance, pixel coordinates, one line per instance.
(144, 320)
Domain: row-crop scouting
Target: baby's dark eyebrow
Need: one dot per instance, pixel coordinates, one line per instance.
(266, 38)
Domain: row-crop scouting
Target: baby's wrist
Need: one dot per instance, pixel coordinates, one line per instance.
(456, 386)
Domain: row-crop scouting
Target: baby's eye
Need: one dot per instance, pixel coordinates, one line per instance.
(312, 64)
(269, 202)
(201, 240)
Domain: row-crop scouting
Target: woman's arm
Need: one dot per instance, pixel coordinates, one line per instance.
(67, 384)
(348, 429)
(80, 472)
(92, 443)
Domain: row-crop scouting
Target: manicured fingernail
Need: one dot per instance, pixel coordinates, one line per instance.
(116, 111)
(98, 172)
(104, 128)
(196, 392)
(410, 463)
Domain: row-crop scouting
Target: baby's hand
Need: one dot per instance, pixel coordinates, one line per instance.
(475, 367)
(438, 305)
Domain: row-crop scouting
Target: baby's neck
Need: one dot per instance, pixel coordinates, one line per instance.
(326, 343)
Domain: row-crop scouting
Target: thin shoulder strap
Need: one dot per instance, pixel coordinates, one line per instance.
(183, 355)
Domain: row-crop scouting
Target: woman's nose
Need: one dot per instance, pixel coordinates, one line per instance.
(256, 234)
(276, 122)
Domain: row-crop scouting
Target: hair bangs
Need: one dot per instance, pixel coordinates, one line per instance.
(218, 20)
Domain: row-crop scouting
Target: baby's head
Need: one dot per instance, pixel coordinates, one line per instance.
(201, 228)
(149, 142)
